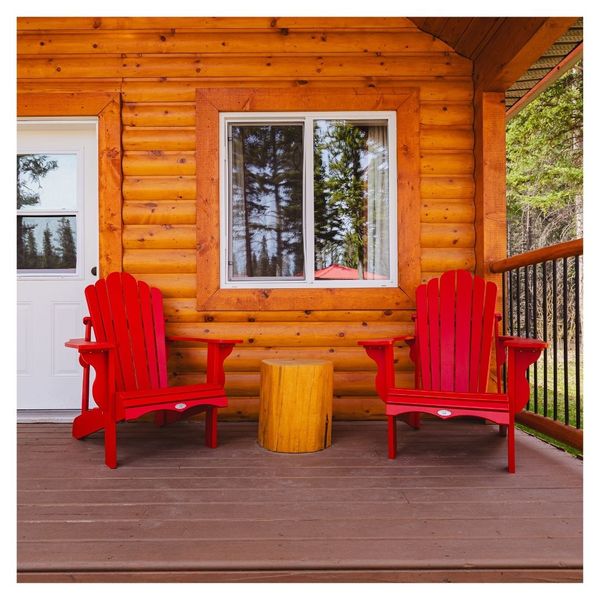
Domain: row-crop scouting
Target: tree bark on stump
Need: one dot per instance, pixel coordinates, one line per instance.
(295, 405)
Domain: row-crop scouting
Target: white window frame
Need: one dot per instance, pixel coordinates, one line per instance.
(58, 147)
(307, 118)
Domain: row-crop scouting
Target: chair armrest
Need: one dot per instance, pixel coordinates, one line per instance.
(509, 341)
(218, 350)
(382, 352)
(83, 345)
(387, 341)
(101, 357)
(519, 353)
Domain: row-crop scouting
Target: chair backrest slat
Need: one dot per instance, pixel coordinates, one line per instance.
(464, 299)
(422, 332)
(476, 329)
(129, 314)
(159, 328)
(149, 333)
(454, 327)
(433, 318)
(488, 329)
(447, 329)
(139, 354)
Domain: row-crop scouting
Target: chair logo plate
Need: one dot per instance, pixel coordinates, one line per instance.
(181, 406)
(444, 413)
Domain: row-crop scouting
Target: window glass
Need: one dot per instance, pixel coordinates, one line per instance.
(46, 243)
(351, 200)
(46, 182)
(266, 220)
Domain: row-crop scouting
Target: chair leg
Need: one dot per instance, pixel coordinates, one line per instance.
(502, 430)
(211, 427)
(511, 446)
(110, 443)
(160, 419)
(391, 437)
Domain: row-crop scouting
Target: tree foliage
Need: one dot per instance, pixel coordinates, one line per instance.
(544, 182)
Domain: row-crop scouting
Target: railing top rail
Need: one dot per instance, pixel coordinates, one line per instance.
(572, 248)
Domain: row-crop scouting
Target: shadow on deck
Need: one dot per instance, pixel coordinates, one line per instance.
(174, 510)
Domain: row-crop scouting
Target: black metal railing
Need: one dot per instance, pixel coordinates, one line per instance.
(542, 293)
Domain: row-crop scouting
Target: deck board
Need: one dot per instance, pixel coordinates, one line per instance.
(174, 510)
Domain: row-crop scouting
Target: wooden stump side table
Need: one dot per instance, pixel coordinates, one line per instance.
(296, 398)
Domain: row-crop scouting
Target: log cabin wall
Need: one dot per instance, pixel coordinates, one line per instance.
(156, 65)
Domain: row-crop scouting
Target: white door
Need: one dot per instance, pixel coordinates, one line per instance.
(57, 252)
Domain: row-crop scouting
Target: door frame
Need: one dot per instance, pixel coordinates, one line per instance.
(106, 106)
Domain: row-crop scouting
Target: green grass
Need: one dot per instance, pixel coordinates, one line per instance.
(551, 441)
(560, 391)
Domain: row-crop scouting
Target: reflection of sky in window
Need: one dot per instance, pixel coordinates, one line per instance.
(58, 188)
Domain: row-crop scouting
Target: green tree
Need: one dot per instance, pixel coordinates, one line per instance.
(346, 189)
(49, 259)
(544, 188)
(66, 241)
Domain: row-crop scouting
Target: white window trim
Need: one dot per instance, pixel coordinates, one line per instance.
(307, 118)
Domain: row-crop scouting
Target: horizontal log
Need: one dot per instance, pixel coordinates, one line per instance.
(162, 211)
(564, 250)
(43, 86)
(447, 187)
(244, 358)
(167, 90)
(159, 261)
(345, 408)
(66, 66)
(248, 384)
(159, 236)
(447, 211)
(211, 23)
(159, 115)
(446, 138)
(172, 285)
(159, 162)
(155, 138)
(184, 310)
(291, 334)
(232, 42)
(445, 163)
(447, 259)
(446, 114)
(447, 235)
(180, 187)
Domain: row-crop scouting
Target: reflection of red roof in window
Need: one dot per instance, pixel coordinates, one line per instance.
(341, 272)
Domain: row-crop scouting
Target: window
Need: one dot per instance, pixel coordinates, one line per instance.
(47, 212)
(307, 200)
(304, 245)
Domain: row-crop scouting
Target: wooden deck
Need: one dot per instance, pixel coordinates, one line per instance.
(174, 510)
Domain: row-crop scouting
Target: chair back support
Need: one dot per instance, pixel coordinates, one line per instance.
(454, 327)
(129, 314)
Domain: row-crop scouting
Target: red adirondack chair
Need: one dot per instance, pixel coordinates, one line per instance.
(129, 357)
(455, 324)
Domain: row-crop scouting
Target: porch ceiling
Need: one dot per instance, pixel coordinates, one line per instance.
(470, 36)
